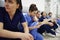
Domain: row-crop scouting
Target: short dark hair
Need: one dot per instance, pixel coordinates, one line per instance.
(20, 4)
(42, 13)
(38, 11)
(33, 8)
(49, 13)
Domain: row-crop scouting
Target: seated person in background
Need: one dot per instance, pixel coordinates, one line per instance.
(38, 15)
(10, 16)
(58, 20)
(49, 15)
(47, 27)
(53, 20)
(33, 22)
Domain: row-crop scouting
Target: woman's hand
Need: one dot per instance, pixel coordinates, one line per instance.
(45, 21)
(35, 18)
(51, 24)
(27, 36)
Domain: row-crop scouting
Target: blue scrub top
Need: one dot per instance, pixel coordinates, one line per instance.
(11, 25)
(29, 19)
(48, 17)
(58, 21)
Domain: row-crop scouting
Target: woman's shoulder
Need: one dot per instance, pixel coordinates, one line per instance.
(2, 9)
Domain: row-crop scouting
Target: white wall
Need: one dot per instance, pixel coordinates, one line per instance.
(26, 3)
(58, 9)
(1, 3)
(53, 7)
(40, 4)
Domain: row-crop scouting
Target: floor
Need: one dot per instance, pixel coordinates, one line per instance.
(53, 38)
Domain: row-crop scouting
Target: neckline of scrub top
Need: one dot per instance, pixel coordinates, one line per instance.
(15, 15)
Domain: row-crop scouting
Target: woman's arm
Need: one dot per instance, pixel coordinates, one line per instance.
(51, 24)
(26, 29)
(9, 34)
(36, 26)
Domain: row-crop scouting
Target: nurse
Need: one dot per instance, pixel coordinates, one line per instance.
(58, 21)
(33, 22)
(10, 17)
(47, 27)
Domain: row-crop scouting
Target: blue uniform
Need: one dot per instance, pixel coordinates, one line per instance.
(31, 23)
(48, 17)
(58, 21)
(11, 25)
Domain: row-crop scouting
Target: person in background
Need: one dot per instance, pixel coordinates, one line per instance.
(58, 20)
(55, 21)
(47, 27)
(38, 14)
(10, 17)
(49, 15)
(33, 23)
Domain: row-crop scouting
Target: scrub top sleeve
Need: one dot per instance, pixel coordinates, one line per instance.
(22, 19)
(25, 18)
(1, 16)
(40, 19)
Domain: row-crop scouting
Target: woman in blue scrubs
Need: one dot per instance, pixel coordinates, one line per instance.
(32, 23)
(58, 21)
(10, 17)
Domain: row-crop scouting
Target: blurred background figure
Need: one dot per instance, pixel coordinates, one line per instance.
(38, 14)
(49, 15)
